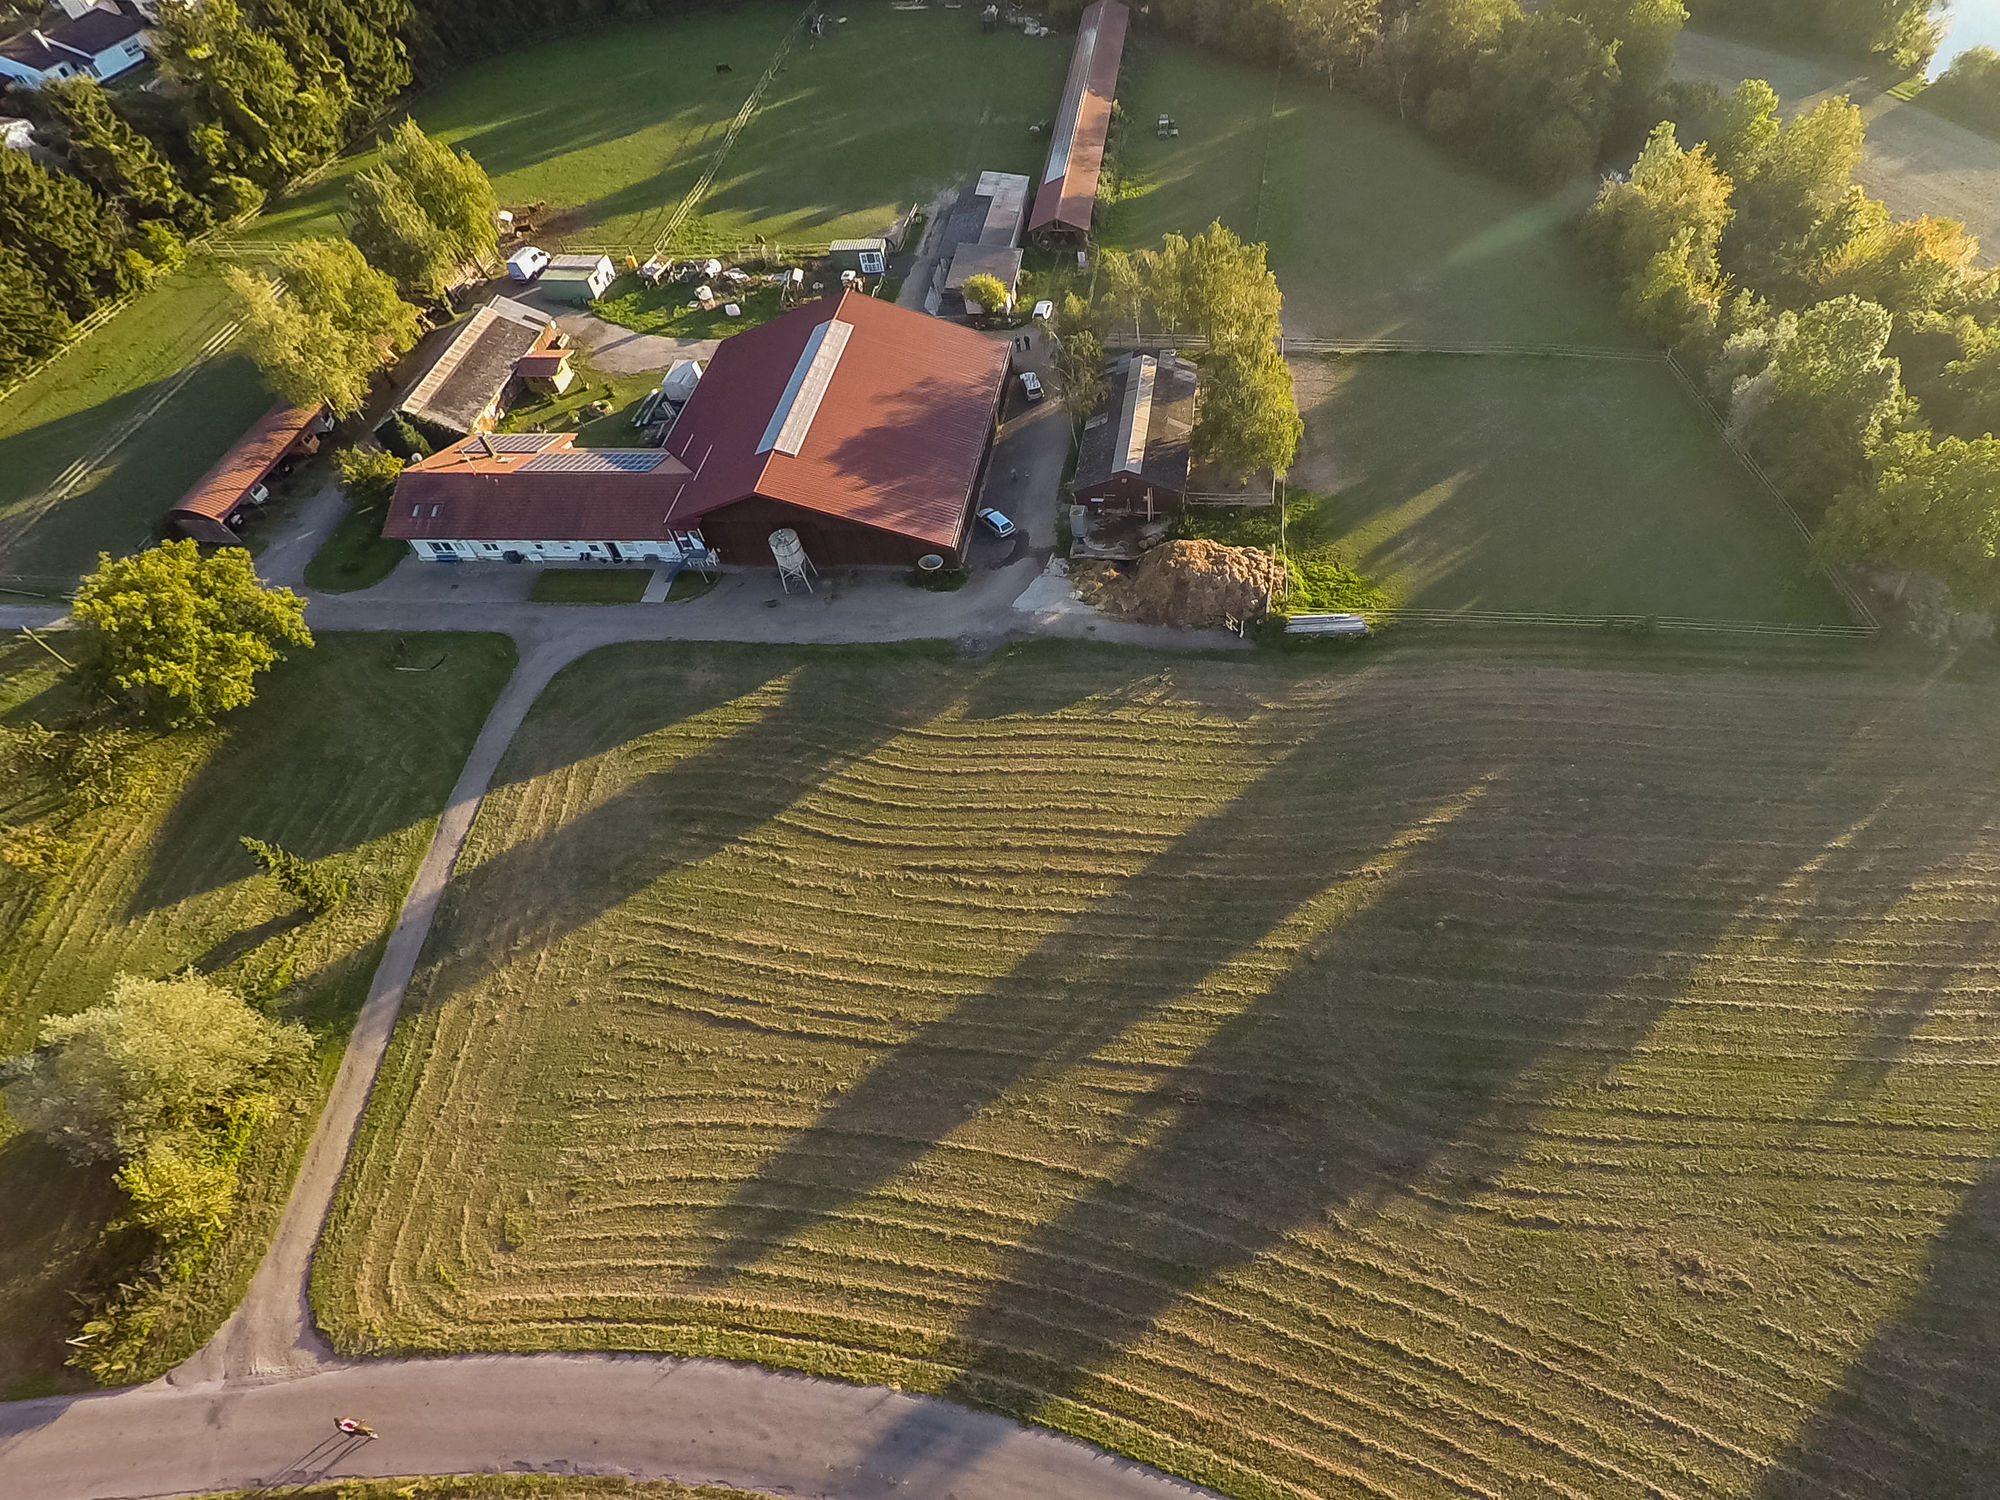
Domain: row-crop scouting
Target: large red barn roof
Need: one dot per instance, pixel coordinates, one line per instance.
(855, 408)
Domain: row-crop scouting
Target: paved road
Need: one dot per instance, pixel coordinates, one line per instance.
(699, 1421)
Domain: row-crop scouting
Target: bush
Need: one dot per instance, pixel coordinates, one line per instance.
(317, 885)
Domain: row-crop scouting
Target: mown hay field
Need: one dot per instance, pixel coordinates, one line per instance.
(350, 750)
(1416, 1075)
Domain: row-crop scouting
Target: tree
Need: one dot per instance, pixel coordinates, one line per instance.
(338, 324)
(1824, 398)
(153, 1057)
(1671, 193)
(1933, 507)
(1248, 419)
(984, 293)
(62, 229)
(423, 211)
(1803, 182)
(1213, 285)
(183, 634)
(1644, 33)
(1449, 34)
(368, 475)
(257, 114)
(32, 325)
(1910, 266)
(1745, 129)
(1333, 37)
(1542, 103)
(1969, 90)
(1080, 369)
(115, 158)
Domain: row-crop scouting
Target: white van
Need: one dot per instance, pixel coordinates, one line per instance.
(526, 263)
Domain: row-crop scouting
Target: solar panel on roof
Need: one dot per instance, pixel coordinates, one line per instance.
(596, 461)
(793, 416)
(517, 442)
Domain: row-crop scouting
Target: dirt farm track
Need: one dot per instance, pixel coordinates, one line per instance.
(1454, 1079)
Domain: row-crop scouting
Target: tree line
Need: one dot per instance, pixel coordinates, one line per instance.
(254, 97)
(1855, 354)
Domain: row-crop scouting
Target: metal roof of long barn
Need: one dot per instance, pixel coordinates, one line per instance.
(894, 439)
(1083, 123)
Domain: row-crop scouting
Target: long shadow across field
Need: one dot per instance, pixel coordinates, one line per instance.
(538, 892)
(1918, 1416)
(1359, 920)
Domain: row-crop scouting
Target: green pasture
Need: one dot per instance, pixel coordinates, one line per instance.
(1559, 485)
(1374, 232)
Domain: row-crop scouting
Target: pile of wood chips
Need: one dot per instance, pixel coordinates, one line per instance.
(1194, 585)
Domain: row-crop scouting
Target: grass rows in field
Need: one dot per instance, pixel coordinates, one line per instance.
(1379, 1084)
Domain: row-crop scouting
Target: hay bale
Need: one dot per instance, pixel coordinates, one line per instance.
(1195, 585)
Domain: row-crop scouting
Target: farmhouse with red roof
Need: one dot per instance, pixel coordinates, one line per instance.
(860, 425)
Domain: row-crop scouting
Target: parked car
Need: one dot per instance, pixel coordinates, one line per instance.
(996, 523)
(1031, 385)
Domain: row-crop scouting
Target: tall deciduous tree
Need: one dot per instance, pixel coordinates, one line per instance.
(259, 116)
(1670, 193)
(154, 1056)
(338, 323)
(423, 211)
(64, 230)
(1934, 507)
(987, 293)
(182, 634)
(1080, 368)
(32, 326)
(1825, 396)
(1248, 418)
(1801, 188)
(1746, 127)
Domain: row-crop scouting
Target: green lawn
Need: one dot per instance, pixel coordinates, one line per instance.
(614, 124)
(590, 585)
(1431, 1072)
(342, 753)
(1570, 486)
(355, 554)
(887, 110)
(1374, 233)
(666, 309)
(622, 393)
(91, 393)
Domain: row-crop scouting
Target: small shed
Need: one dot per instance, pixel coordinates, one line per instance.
(868, 257)
(213, 510)
(578, 278)
(1001, 262)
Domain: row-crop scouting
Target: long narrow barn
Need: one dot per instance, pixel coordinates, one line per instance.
(1076, 145)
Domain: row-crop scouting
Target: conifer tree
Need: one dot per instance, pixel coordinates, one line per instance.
(61, 228)
(32, 326)
(115, 159)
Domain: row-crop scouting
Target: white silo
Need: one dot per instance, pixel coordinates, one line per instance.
(793, 564)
